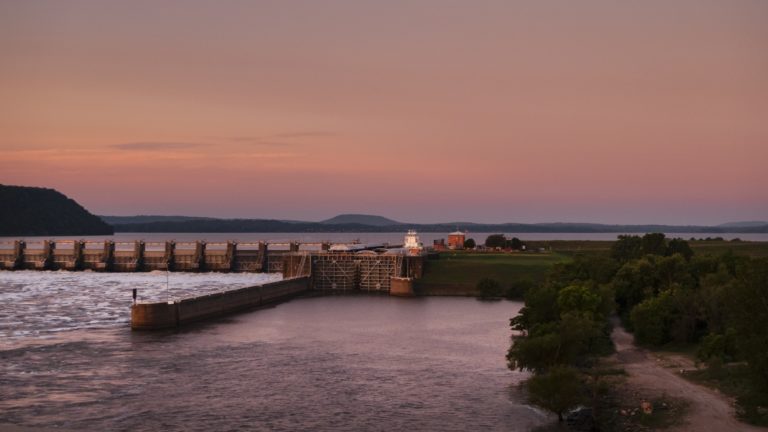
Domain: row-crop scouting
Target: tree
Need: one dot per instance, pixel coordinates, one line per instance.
(577, 298)
(651, 320)
(654, 244)
(496, 241)
(749, 317)
(469, 243)
(680, 246)
(556, 390)
(627, 248)
(515, 244)
(672, 270)
(540, 308)
(538, 351)
(631, 283)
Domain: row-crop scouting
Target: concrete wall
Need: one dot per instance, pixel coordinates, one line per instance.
(153, 316)
(401, 287)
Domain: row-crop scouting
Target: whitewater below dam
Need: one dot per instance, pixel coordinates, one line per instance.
(68, 360)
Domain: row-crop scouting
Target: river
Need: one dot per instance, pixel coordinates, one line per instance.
(68, 361)
(390, 237)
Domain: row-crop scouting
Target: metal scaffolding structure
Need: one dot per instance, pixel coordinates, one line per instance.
(377, 270)
(348, 271)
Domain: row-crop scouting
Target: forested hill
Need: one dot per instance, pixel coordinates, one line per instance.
(31, 211)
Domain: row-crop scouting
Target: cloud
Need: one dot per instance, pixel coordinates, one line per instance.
(279, 139)
(258, 141)
(151, 146)
(306, 134)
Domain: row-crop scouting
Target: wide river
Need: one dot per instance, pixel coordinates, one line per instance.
(68, 361)
(389, 237)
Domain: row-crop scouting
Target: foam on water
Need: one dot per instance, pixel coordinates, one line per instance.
(34, 304)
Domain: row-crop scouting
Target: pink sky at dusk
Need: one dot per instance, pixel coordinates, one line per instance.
(422, 111)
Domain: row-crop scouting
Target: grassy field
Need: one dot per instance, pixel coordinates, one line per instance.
(457, 273)
(753, 249)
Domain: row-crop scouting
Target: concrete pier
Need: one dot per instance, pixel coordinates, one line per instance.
(163, 315)
(402, 287)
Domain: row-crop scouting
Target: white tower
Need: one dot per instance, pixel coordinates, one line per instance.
(412, 240)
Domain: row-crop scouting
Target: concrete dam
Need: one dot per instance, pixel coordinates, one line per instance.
(304, 266)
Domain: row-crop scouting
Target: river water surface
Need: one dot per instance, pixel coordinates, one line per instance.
(315, 363)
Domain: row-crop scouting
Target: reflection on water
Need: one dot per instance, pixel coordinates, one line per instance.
(316, 363)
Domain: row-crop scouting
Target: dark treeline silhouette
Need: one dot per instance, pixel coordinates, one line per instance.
(31, 211)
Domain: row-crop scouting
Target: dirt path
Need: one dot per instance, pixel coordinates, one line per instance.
(709, 410)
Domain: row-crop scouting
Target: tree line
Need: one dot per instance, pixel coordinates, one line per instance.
(500, 241)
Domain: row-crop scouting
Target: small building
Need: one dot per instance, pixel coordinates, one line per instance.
(439, 245)
(456, 240)
(412, 244)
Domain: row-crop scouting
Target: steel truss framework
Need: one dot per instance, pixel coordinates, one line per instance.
(342, 271)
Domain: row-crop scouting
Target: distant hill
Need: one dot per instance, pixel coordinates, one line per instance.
(361, 219)
(31, 211)
(374, 223)
(338, 224)
(745, 224)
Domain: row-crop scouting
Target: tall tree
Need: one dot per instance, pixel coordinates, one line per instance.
(556, 390)
(627, 248)
(680, 246)
(654, 244)
(496, 241)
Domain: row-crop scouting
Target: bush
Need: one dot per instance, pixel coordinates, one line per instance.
(718, 347)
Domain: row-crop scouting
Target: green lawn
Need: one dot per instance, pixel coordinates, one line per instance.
(457, 273)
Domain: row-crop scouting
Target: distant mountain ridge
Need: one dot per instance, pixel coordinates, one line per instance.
(744, 224)
(362, 219)
(373, 223)
(32, 211)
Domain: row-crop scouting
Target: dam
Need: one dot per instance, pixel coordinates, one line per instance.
(382, 268)
(148, 256)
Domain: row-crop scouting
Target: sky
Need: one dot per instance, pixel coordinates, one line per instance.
(422, 111)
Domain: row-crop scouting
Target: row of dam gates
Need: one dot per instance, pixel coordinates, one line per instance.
(361, 267)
